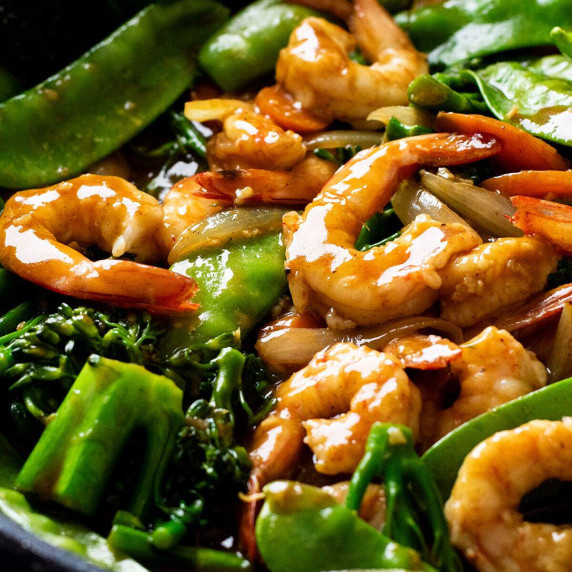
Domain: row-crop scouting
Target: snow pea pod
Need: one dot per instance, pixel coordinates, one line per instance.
(58, 128)
(525, 98)
(445, 457)
(246, 47)
(457, 30)
(238, 284)
(302, 527)
(563, 40)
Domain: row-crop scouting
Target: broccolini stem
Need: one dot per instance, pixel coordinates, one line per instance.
(390, 456)
(138, 545)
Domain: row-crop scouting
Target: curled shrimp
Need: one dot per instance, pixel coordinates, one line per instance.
(329, 276)
(331, 405)
(204, 194)
(37, 227)
(483, 509)
(334, 400)
(493, 368)
(317, 70)
(248, 139)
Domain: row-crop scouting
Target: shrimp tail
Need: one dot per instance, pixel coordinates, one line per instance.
(552, 221)
(133, 285)
(249, 186)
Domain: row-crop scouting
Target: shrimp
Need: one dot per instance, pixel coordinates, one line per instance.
(493, 369)
(251, 140)
(316, 68)
(248, 139)
(483, 509)
(552, 221)
(329, 276)
(204, 194)
(494, 275)
(37, 226)
(352, 387)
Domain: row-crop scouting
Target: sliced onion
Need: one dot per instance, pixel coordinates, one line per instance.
(211, 109)
(290, 349)
(487, 210)
(411, 200)
(405, 114)
(342, 138)
(559, 363)
(233, 224)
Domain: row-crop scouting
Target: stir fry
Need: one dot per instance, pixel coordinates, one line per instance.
(289, 287)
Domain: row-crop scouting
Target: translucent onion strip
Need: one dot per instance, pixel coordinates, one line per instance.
(232, 224)
(559, 363)
(487, 210)
(405, 114)
(290, 349)
(411, 200)
(343, 138)
(211, 109)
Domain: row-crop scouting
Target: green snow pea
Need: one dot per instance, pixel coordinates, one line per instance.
(239, 283)
(446, 457)
(246, 47)
(563, 40)
(58, 128)
(302, 528)
(70, 536)
(9, 84)
(411, 495)
(431, 93)
(108, 402)
(456, 30)
(529, 99)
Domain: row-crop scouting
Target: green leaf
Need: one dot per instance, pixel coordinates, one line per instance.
(458, 30)
(527, 99)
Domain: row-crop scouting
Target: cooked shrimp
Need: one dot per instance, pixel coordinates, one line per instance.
(493, 369)
(494, 275)
(335, 399)
(329, 276)
(37, 226)
(201, 195)
(185, 204)
(483, 510)
(316, 68)
(248, 139)
(550, 220)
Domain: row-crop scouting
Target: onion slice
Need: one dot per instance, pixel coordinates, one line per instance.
(405, 114)
(233, 224)
(559, 363)
(486, 210)
(343, 138)
(411, 200)
(289, 349)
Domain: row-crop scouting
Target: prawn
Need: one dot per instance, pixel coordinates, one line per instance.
(204, 194)
(357, 386)
(317, 70)
(494, 275)
(483, 509)
(550, 220)
(326, 274)
(493, 368)
(41, 231)
(333, 401)
(248, 139)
